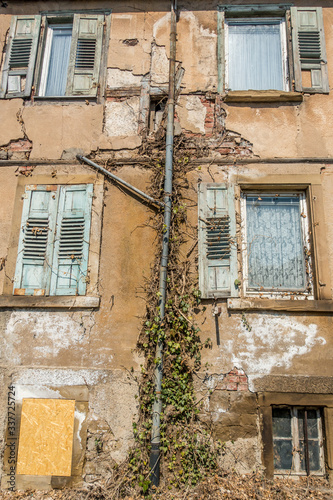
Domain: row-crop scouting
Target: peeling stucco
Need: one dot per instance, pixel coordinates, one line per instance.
(191, 113)
(47, 333)
(273, 342)
(121, 118)
(122, 78)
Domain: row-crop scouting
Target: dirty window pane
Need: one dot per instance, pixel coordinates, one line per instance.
(312, 424)
(274, 242)
(59, 59)
(283, 454)
(281, 422)
(314, 455)
(255, 56)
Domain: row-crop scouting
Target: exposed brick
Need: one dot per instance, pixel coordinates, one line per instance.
(243, 387)
(243, 379)
(225, 151)
(232, 386)
(236, 371)
(233, 378)
(21, 145)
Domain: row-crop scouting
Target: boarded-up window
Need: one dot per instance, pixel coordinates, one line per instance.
(46, 437)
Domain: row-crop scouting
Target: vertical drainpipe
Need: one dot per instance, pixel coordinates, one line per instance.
(157, 405)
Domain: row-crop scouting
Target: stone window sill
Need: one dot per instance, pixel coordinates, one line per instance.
(280, 305)
(56, 302)
(263, 96)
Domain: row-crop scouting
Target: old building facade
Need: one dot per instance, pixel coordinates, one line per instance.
(254, 106)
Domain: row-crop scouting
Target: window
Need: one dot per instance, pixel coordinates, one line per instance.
(254, 52)
(61, 59)
(298, 441)
(54, 240)
(276, 248)
(258, 243)
(56, 60)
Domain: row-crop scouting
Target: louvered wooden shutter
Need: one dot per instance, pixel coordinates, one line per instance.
(33, 267)
(217, 241)
(71, 247)
(309, 48)
(85, 55)
(18, 70)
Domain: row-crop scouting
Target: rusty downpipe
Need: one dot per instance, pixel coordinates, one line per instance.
(158, 374)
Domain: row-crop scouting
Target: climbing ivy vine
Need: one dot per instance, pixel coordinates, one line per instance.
(188, 452)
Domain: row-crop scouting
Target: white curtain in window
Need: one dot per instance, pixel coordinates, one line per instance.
(59, 59)
(255, 56)
(274, 242)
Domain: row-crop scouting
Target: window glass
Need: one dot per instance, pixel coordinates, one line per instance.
(61, 37)
(274, 242)
(297, 440)
(282, 438)
(255, 55)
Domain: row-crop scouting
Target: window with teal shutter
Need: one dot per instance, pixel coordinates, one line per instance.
(217, 241)
(21, 51)
(71, 245)
(308, 38)
(254, 52)
(59, 54)
(54, 240)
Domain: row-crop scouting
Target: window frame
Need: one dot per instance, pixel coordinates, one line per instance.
(53, 260)
(297, 58)
(45, 61)
(34, 70)
(308, 292)
(296, 469)
(269, 399)
(284, 52)
(91, 299)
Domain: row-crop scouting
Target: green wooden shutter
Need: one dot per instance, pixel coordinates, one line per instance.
(309, 48)
(33, 266)
(217, 241)
(18, 70)
(85, 55)
(71, 247)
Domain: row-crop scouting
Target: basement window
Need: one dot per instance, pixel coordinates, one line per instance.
(46, 437)
(276, 253)
(298, 441)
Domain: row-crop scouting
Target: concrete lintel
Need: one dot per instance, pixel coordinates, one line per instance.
(280, 305)
(65, 302)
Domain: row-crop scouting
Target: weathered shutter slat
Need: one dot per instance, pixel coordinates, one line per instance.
(33, 266)
(18, 70)
(309, 48)
(71, 248)
(85, 55)
(217, 241)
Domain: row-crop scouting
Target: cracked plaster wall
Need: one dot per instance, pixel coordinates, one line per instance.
(98, 345)
(139, 43)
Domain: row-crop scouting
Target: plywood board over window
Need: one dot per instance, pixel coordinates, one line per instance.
(46, 437)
